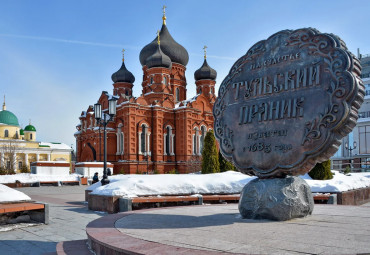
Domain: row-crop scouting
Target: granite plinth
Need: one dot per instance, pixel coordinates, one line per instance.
(276, 199)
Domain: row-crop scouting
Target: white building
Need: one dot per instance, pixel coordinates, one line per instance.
(355, 148)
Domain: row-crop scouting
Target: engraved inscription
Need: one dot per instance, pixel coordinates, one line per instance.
(286, 103)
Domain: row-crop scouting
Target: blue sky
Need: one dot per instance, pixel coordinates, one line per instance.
(57, 56)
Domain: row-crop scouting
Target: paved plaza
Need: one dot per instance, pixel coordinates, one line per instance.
(68, 219)
(332, 229)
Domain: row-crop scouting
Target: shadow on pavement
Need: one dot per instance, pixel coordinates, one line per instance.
(28, 247)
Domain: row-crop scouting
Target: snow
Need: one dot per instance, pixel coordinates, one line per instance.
(56, 145)
(30, 178)
(172, 184)
(339, 183)
(220, 183)
(9, 195)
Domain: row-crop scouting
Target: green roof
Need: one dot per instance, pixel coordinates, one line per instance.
(8, 118)
(29, 128)
(21, 132)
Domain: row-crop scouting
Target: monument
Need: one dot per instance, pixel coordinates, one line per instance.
(284, 106)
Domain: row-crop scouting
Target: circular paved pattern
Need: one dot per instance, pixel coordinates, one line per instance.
(218, 229)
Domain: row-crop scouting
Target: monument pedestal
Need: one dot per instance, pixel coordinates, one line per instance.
(276, 199)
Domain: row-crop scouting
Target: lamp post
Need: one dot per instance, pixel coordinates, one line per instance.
(350, 148)
(104, 119)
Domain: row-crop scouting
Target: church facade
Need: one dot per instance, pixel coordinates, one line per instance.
(161, 130)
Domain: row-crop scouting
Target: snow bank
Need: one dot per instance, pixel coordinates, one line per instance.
(11, 195)
(339, 183)
(30, 178)
(172, 184)
(220, 183)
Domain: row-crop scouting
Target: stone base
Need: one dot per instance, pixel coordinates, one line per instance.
(276, 199)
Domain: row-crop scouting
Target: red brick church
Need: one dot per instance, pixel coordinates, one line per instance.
(162, 129)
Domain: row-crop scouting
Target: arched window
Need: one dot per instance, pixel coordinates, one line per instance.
(120, 140)
(177, 94)
(16, 135)
(143, 138)
(202, 136)
(30, 136)
(195, 142)
(20, 165)
(6, 133)
(165, 80)
(151, 80)
(168, 139)
(126, 92)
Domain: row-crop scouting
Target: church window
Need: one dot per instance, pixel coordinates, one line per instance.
(8, 164)
(200, 90)
(6, 133)
(169, 141)
(143, 139)
(30, 136)
(16, 135)
(126, 92)
(196, 142)
(177, 94)
(151, 80)
(165, 80)
(203, 135)
(20, 165)
(120, 140)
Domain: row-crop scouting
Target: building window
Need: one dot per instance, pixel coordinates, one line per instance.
(200, 90)
(120, 140)
(16, 135)
(165, 80)
(203, 135)
(196, 142)
(151, 80)
(8, 164)
(6, 133)
(30, 136)
(168, 139)
(126, 92)
(177, 94)
(20, 165)
(364, 139)
(144, 140)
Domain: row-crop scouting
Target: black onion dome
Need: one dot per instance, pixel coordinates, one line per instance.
(123, 75)
(169, 46)
(205, 72)
(158, 59)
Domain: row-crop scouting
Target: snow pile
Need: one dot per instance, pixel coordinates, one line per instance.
(30, 178)
(172, 184)
(9, 195)
(220, 183)
(339, 183)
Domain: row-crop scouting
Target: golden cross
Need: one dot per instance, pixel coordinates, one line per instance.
(164, 14)
(123, 55)
(158, 38)
(205, 51)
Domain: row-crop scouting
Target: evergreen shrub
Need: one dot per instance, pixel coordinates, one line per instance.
(321, 171)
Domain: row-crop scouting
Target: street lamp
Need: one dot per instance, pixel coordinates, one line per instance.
(350, 148)
(104, 119)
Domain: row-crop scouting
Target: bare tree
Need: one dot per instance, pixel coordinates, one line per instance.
(9, 157)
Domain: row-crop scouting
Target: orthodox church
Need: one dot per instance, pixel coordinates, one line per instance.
(161, 130)
(19, 147)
